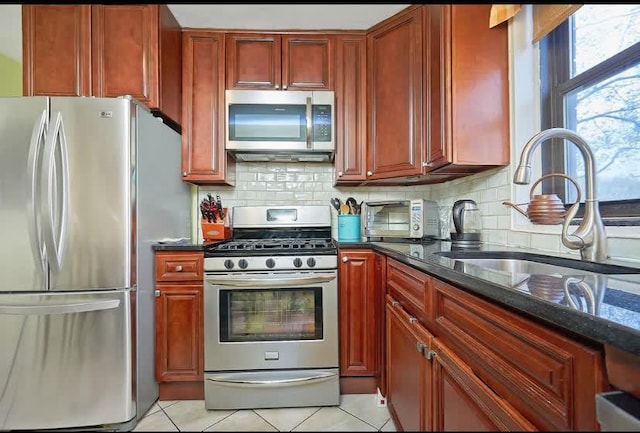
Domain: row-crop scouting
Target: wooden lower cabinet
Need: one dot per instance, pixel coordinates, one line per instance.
(359, 305)
(456, 362)
(179, 324)
(462, 402)
(409, 372)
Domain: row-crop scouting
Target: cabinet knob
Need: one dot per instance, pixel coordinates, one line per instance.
(339, 174)
(184, 173)
(427, 164)
(429, 354)
(369, 173)
(179, 268)
(277, 86)
(394, 303)
(412, 319)
(420, 346)
(157, 293)
(284, 87)
(345, 259)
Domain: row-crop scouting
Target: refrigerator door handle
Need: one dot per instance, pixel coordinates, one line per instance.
(55, 229)
(34, 227)
(43, 310)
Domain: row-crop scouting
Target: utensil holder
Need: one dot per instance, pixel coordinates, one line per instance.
(216, 230)
(348, 228)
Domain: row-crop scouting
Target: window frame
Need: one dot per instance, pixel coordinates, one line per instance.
(555, 83)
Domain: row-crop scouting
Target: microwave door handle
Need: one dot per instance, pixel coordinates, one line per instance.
(309, 122)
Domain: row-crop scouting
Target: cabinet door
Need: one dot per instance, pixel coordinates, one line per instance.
(56, 50)
(351, 108)
(125, 52)
(204, 159)
(179, 333)
(409, 375)
(462, 402)
(357, 308)
(394, 51)
(466, 89)
(307, 62)
(253, 61)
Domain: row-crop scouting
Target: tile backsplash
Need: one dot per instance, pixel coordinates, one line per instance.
(312, 183)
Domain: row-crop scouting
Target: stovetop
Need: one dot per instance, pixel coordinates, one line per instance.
(272, 247)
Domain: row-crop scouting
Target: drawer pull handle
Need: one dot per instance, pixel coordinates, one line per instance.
(429, 354)
(420, 346)
(179, 268)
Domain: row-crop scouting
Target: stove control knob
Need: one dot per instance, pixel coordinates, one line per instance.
(311, 262)
(297, 262)
(243, 264)
(228, 264)
(270, 263)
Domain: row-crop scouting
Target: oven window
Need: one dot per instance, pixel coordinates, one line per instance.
(271, 314)
(262, 122)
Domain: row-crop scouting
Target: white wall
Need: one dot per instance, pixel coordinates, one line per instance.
(11, 31)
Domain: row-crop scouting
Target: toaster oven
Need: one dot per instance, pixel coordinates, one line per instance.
(402, 219)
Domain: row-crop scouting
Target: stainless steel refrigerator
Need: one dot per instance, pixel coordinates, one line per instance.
(87, 185)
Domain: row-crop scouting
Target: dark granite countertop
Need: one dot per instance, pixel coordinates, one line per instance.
(611, 316)
(176, 245)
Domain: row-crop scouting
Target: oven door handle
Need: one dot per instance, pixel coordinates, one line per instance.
(274, 382)
(268, 283)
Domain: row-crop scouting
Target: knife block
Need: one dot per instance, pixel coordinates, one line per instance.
(216, 231)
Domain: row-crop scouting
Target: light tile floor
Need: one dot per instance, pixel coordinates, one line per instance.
(357, 412)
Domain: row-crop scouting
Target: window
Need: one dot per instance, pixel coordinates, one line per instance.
(590, 82)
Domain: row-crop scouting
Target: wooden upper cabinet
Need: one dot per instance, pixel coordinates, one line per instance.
(123, 61)
(351, 109)
(466, 90)
(394, 50)
(104, 51)
(204, 159)
(274, 61)
(56, 50)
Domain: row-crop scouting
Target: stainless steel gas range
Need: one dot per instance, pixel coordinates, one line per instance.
(271, 311)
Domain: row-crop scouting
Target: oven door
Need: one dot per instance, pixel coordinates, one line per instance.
(270, 320)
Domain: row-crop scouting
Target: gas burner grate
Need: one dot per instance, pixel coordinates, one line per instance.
(276, 244)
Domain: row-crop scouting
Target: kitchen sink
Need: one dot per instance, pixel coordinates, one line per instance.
(530, 263)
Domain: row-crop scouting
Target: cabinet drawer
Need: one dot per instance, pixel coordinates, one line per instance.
(179, 266)
(546, 376)
(410, 287)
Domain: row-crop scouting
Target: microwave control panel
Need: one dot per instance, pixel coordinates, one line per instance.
(321, 115)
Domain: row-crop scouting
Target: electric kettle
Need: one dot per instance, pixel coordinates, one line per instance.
(467, 223)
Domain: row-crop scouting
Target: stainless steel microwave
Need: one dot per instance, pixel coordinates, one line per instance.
(279, 125)
(401, 219)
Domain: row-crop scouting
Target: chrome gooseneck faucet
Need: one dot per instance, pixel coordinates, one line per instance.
(589, 237)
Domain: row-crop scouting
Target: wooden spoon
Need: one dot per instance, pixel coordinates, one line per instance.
(344, 209)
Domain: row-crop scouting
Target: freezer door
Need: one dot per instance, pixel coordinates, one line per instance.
(88, 227)
(66, 360)
(23, 123)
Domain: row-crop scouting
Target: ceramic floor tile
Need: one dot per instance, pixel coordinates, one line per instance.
(286, 419)
(363, 406)
(389, 426)
(153, 409)
(191, 415)
(242, 420)
(157, 421)
(333, 419)
(166, 403)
